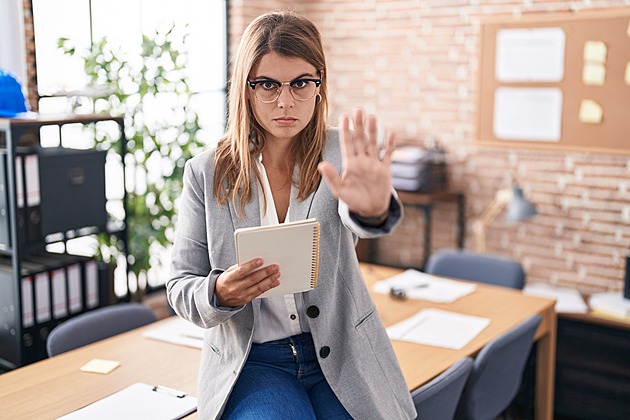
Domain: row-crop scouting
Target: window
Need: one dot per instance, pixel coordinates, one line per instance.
(123, 22)
(63, 83)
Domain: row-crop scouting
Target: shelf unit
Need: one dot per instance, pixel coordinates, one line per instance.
(50, 196)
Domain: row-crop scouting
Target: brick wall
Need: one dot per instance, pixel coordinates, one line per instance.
(414, 64)
(31, 67)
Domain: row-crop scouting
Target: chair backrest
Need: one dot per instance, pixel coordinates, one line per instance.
(483, 268)
(96, 325)
(438, 398)
(497, 373)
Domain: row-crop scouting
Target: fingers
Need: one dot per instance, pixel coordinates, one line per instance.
(239, 285)
(330, 175)
(390, 145)
(363, 140)
(345, 140)
(371, 147)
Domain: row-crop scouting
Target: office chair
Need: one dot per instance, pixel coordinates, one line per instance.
(497, 373)
(483, 268)
(438, 398)
(97, 325)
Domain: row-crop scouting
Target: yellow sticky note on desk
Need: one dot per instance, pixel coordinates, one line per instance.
(594, 74)
(591, 112)
(100, 366)
(595, 52)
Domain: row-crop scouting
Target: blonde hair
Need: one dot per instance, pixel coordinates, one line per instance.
(291, 35)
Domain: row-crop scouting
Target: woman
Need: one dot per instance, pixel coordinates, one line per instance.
(318, 354)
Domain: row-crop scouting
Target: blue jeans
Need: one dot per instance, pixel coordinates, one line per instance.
(282, 379)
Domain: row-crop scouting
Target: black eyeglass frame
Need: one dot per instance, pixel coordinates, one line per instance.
(253, 84)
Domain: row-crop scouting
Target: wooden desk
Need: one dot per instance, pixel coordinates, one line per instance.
(505, 307)
(56, 386)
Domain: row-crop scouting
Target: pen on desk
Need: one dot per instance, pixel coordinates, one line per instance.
(401, 292)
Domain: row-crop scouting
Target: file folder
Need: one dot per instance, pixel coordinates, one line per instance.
(43, 311)
(5, 232)
(28, 314)
(75, 289)
(33, 198)
(59, 293)
(91, 284)
(20, 193)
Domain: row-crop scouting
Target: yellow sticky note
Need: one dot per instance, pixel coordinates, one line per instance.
(100, 366)
(627, 77)
(595, 51)
(593, 74)
(591, 112)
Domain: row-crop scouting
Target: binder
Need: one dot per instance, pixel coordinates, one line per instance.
(5, 232)
(138, 401)
(91, 284)
(75, 288)
(59, 293)
(28, 313)
(33, 198)
(20, 193)
(294, 246)
(43, 311)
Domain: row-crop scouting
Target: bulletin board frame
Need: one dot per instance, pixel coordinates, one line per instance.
(612, 134)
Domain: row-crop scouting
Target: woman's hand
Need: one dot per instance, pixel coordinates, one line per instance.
(239, 285)
(365, 182)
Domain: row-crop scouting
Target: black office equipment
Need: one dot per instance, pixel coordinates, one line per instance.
(51, 195)
(72, 189)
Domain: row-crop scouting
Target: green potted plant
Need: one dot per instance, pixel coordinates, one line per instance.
(140, 85)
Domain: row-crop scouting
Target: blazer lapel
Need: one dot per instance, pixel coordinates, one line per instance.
(299, 209)
(251, 215)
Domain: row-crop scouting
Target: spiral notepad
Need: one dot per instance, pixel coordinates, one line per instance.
(294, 246)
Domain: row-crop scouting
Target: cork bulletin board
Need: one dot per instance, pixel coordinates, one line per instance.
(557, 81)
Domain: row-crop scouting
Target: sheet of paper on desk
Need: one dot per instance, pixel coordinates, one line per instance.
(138, 401)
(435, 327)
(568, 300)
(178, 331)
(419, 285)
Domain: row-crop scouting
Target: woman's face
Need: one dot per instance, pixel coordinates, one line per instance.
(286, 117)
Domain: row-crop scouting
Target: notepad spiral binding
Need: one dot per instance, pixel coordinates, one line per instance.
(315, 259)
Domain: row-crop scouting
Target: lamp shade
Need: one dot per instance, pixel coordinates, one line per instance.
(519, 208)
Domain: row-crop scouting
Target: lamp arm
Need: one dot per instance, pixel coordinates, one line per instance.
(501, 199)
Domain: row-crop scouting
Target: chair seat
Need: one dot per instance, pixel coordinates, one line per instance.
(438, 398)
(483, 268)
(96, 325)
(497, 373)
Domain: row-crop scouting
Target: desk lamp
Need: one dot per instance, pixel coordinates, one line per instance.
(519, 209)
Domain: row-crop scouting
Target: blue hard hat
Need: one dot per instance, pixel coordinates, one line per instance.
(12, 101)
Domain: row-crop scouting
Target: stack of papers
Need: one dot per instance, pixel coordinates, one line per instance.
(609, 303)
(435, 327)
(178, 331)
(418, 285)
(568, 300)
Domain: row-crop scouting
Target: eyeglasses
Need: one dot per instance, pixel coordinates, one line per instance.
(268, 91)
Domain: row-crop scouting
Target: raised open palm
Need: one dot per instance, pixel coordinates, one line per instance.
(365, 181)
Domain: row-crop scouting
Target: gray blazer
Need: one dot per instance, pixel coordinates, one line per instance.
(354, 350)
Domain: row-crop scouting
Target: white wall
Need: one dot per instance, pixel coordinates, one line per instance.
(12, 56)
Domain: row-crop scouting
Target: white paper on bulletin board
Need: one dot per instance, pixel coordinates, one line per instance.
(533, 114)
(530, 55)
